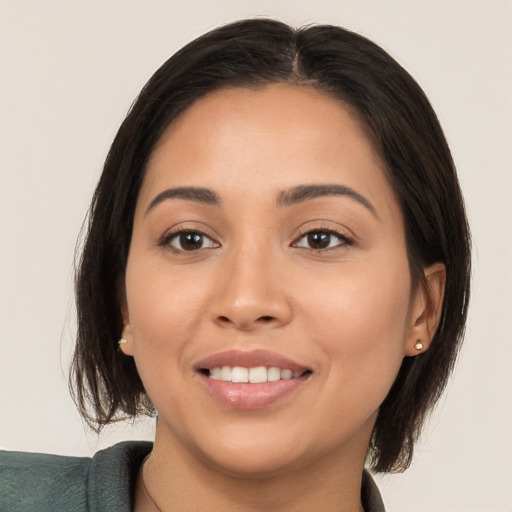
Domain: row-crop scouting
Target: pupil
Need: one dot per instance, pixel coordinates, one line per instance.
(319, 240)
(191, 241)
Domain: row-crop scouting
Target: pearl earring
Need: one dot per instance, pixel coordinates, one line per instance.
(419, 345)
(122, 341)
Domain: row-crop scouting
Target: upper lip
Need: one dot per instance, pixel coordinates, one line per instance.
(250, 359)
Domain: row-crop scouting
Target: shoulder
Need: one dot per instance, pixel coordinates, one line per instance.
(34, 481)
(370, 495)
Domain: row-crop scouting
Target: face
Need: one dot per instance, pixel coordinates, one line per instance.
(268, 294)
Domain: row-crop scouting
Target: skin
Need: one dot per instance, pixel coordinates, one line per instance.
(347, 312)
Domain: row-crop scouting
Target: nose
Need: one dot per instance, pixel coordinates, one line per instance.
(251, 292)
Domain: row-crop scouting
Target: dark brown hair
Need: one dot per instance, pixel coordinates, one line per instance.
(402, 125)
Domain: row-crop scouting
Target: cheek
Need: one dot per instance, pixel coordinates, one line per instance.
(164, 312)
(369, 302)
(360, 323)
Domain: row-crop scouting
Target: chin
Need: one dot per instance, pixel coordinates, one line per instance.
(256, 462)
(256, 450)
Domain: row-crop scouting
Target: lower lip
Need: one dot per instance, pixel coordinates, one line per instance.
(252, 396)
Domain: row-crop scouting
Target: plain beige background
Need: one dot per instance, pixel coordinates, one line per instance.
(68, 73)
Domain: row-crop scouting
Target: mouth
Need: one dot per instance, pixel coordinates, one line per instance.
(251, 380)
(254, 375)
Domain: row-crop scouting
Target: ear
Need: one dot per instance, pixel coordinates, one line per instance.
(426, 310)
(126, 341)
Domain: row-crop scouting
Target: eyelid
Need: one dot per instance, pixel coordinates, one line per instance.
(166, 238)
(343, 240)
(346, 237)
(326, 226)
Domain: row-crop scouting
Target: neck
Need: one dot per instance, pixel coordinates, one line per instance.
(178, 481)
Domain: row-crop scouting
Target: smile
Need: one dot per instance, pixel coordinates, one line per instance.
(256, 375)
(251, 380)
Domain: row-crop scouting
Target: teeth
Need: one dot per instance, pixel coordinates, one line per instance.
(226, 373)
(216, 373)
(286, 374)
(273, 374)
(256, 375)
(239, 374)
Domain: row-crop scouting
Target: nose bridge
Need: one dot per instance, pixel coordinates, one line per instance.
(250, 291)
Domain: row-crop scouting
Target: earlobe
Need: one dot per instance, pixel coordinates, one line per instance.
(126, 341)
(426, 310)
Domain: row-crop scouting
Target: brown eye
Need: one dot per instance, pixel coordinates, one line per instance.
(190, 241)
(321, 240)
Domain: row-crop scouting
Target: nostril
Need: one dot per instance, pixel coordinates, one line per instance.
(244, 323)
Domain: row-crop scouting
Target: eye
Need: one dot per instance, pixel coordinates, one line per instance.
(321, 240)
(189, 241)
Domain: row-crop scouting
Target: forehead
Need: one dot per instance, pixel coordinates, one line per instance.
(265, 140)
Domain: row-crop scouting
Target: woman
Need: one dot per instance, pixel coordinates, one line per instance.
(277, 266)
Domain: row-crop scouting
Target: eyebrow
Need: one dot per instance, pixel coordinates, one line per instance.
(289, 197)
(307, 192)
(198, 194)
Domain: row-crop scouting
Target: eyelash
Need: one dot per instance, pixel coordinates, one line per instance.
(175, 235)
(343, 239)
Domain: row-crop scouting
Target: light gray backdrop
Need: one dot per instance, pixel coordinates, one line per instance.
(68, 73)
